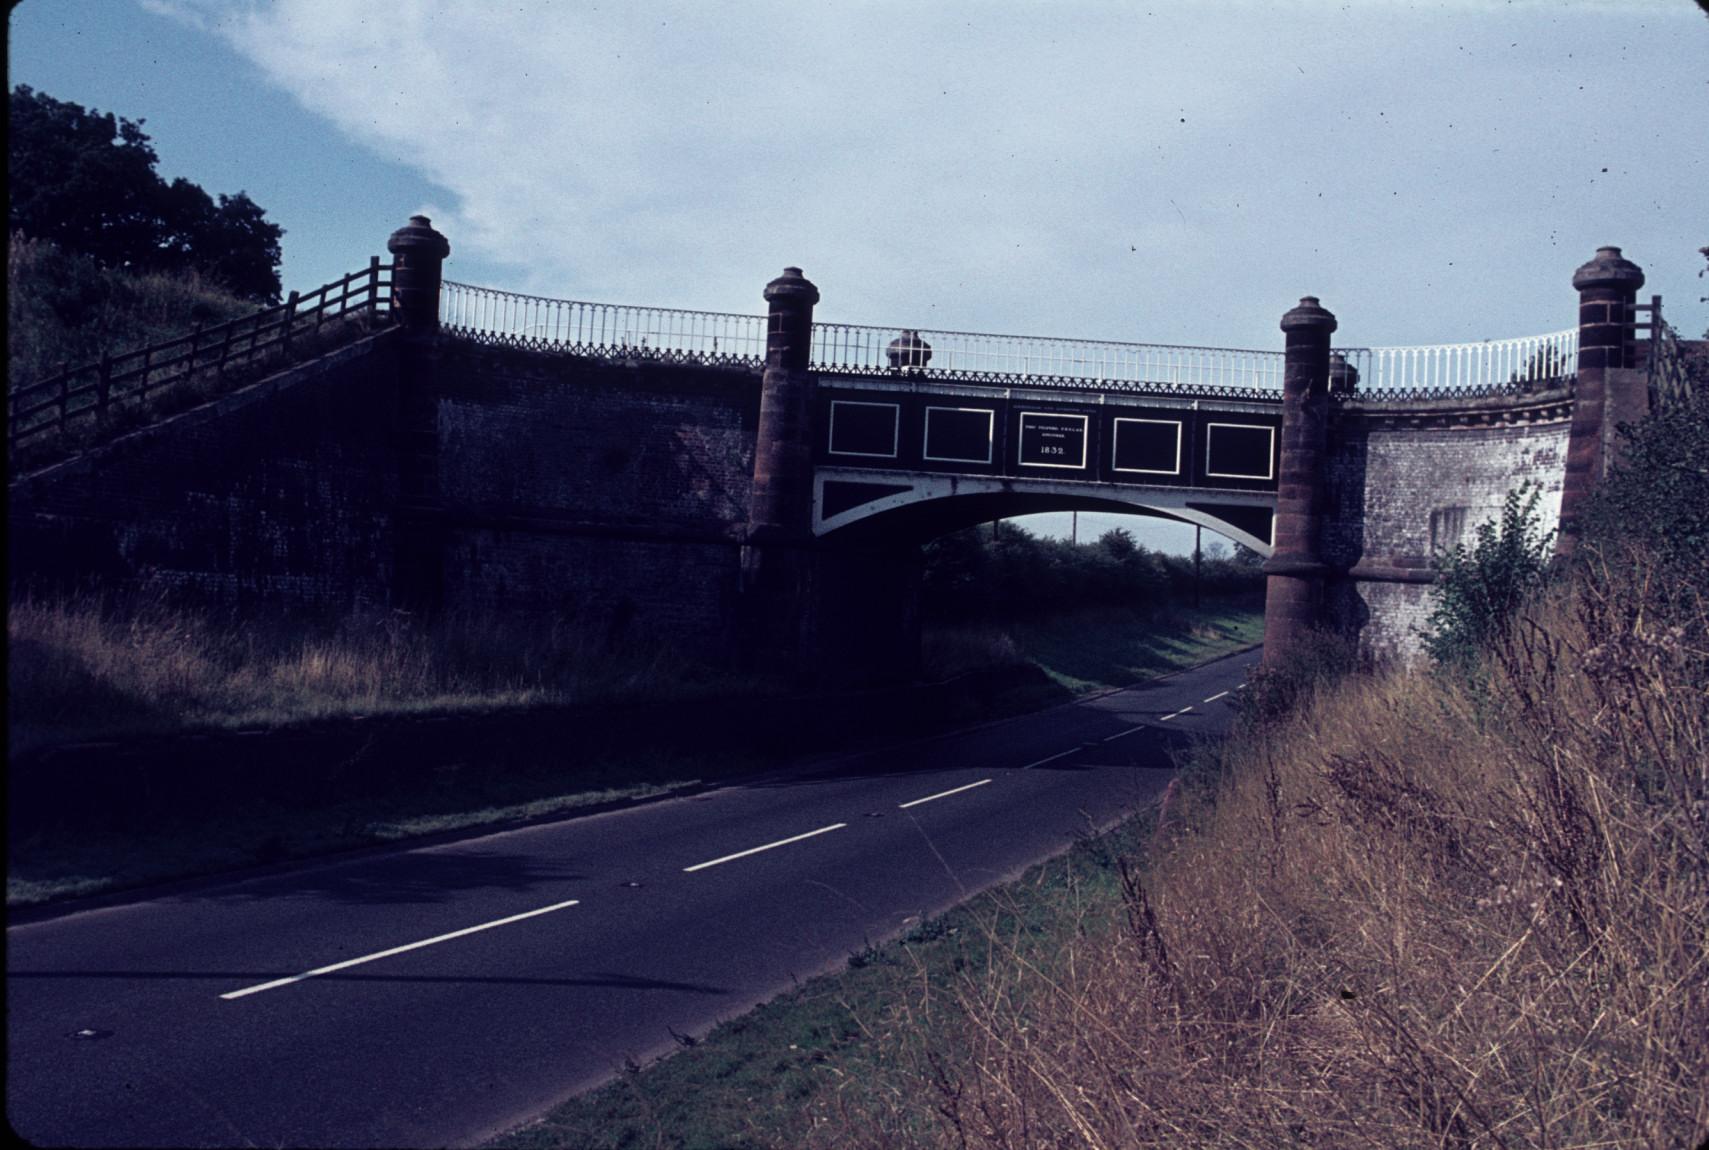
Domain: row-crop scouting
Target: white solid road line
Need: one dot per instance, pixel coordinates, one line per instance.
(320, 970)
(1052, 758)
(767, 847)
(1216, 696)
(942, 794)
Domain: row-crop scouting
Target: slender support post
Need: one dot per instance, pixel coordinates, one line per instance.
(1198, 556)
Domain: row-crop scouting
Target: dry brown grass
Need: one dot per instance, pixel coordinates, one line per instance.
(88, 666)
(1419, 912)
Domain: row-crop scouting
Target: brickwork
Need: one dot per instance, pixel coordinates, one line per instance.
(608, 497)
(651, 447)
(278, 493)
(1404, 483)
(668, 595)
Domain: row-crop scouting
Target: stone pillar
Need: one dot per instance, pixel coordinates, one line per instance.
(1608, 391)
(775, 558)
(1293, 599)
(418, 254)
(418, 558)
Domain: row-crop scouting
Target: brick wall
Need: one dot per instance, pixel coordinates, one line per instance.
(1403, 483)
(281, 492)
(614, 497)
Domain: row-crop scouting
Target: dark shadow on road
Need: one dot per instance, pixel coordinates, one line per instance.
(423, 877)
(241, 978)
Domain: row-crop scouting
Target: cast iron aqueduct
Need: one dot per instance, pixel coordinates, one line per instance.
(1345, 467)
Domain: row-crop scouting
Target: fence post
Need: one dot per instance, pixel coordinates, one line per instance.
(225, 347)
(373, 285)
(418, 256)
(104, 382)
(290, 319)
(1293, 592)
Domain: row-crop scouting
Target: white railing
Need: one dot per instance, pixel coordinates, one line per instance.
(1040, 360)
(579, 327)
(1493, 366)
(494, 316)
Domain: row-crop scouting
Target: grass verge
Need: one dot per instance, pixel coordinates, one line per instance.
(794, 1071)
(1096, 648)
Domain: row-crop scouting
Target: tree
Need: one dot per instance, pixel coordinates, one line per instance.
(1118, 541)
(86, 181)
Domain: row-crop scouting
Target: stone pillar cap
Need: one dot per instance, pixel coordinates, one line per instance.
(792, 285)
(1308, 314)
(419, 236)
(1609, 269)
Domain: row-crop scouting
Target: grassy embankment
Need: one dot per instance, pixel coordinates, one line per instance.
(1463, 909)
(64, 310)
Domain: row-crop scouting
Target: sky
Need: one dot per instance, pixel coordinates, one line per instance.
(1162, 172)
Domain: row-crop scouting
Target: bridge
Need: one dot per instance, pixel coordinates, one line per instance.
(761, 483)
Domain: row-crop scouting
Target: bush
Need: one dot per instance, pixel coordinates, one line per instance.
(1479, 588)
(1659, 492)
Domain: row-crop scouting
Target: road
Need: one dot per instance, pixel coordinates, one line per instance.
(439, 995)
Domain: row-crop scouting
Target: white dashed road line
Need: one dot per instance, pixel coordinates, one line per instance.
(1216, 696)
(942, 794)
(1176, 715)
(1051, 759)
(767, 847)
(349, 962)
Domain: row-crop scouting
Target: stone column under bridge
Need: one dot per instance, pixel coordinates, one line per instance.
(1293, 599)
(824, 611)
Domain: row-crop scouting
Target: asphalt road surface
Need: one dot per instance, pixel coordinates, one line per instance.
(440, 995)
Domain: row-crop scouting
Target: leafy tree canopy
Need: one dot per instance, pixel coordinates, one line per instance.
(85, 181)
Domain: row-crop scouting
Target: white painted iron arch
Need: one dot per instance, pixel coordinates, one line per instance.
(925, 488)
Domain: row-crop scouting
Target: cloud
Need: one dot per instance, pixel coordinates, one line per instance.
(1100, 169)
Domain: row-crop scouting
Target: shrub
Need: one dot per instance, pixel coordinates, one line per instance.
(1479, 588)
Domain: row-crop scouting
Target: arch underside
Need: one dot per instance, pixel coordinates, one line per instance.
(867, 506)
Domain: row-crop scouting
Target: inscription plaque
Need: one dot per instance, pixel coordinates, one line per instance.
(1050, 439)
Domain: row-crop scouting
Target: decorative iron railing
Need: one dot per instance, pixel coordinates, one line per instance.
(1039, 361)
(1670, 383)
(91, 392)
(1464, 370)
(577, 327)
